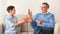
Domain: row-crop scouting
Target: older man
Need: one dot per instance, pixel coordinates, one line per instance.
(43, 23)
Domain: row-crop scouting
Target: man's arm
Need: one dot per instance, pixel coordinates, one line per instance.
(51, 24)
(32, 22)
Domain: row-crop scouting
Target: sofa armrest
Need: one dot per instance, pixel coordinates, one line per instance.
(1, 30)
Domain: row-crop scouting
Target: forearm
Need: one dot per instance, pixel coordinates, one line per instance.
(50, 25)
(33, 24)
(18, 24)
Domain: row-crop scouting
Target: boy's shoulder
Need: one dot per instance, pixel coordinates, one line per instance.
(8, 17)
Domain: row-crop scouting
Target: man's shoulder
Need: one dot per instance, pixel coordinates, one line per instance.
(38, 14)
(51, 14)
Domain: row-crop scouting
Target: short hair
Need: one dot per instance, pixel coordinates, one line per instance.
(10, 8)
(46, 4)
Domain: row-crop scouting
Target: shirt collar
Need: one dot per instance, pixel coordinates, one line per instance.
(45, 14)
(10, 15)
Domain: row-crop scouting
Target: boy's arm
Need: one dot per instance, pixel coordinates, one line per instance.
(28, 19)
(18, 24)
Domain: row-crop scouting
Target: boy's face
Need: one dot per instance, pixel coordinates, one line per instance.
(13, 11)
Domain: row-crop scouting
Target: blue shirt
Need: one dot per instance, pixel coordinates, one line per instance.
(9, 21)
(48, 19)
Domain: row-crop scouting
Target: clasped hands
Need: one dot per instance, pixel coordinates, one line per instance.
(25, 20)
(28, 19)
(40, 22)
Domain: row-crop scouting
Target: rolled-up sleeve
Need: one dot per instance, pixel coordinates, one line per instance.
(33, 23)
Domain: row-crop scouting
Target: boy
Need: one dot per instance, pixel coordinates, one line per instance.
(11, 21)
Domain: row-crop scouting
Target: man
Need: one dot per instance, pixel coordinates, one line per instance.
(43, 23)
(11, 21)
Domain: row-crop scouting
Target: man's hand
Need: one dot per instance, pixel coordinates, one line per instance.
(29, 13)
(29, 18)
(40, 22)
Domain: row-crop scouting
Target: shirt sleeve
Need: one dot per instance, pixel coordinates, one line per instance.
(8, 22)
(16, 20)
(51, 23)
(33, 23)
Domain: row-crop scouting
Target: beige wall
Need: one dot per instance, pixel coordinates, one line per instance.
(23, 5)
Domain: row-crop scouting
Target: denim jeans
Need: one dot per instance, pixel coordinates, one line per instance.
(40, 30)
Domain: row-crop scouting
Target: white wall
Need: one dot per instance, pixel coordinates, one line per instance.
(23, 5)
(2, 10)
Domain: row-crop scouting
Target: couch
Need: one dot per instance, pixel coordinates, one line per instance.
(26, 28)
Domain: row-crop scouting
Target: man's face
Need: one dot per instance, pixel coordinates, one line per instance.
(13, 11)
(44, 8)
